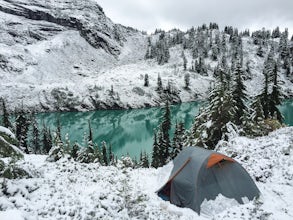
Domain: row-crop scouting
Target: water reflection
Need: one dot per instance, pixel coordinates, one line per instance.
(128, 131)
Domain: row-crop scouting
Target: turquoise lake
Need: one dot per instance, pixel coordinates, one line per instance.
(129, 131)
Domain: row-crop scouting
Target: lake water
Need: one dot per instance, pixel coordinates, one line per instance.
(129, 131)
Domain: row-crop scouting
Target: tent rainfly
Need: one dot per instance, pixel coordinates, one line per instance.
(200, 174)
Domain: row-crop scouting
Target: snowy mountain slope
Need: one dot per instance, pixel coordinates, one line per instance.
(67, 55)
(70, 190)
(47, 47)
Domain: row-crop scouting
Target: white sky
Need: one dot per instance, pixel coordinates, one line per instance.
(166, 14)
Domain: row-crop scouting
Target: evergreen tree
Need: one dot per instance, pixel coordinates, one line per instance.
(247, 70)
(260, 51)
(67, 147)
(283, 47)
(104, 153)
(149, 53)
(58, 130)
(276, 33)
(268, 73)
(164, 140)
(286, 66)
(146, 80)
(159, 83)
(57, 141)
(155, 155)
(177, 143)
(210, 125)
(223, 47)
(47, 139)
(22, 127)
(144, 161)
(215, 53)
(162, 50)
(90, 137)
(184, 60)
(74, 150)
(161, 148)
(36, 135)
(239, 95)
(187, 80)
(275, 97)
(57, 151)
(6, 123)
(111, 155)
(257, 114)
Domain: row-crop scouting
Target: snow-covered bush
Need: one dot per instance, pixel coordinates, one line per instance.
(261, 128)
(88, 155)
(125, 162)
(13, 171)
(56, 153)
(8, 144)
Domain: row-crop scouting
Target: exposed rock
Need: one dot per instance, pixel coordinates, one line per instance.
(85, 16)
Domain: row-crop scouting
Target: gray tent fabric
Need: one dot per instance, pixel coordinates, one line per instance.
(193, 179)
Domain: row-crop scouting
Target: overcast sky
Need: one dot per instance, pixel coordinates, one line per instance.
(166, 14)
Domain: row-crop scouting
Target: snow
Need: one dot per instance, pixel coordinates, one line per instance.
(7, 132)
(71, 190)
(63, 69)
(12, 214)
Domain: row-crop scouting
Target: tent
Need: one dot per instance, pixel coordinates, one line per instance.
(200, 174)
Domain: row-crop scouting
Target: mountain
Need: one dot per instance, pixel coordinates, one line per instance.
(68, 55)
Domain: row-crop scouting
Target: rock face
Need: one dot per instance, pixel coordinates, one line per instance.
(52, 53)
(84, 16)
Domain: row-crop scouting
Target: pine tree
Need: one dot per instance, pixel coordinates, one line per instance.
(57, 151)
(90, 137)
(155, 155)
(146, 80)
(286, 66)
(74, 150)
(6, 123)
(210, 125)
(275, 98)
(111, 155)
(268, 72)
(260, 51)
(36, 135)
(223, 47)
(184, 60)
(276, 33)
(67, 147)
(283, 47)
(58, 129)
(239, 95)
(144, 161)
(162, 50)
(47, 139)
(22, 126)
(149, 52)
(104, 153)
(161, 148)
(215, 53)
(159, 83)
(177, 143)
(257, 114)
(164, 140)
(187, 80)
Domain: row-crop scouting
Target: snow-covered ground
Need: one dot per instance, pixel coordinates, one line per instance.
(71, 190)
